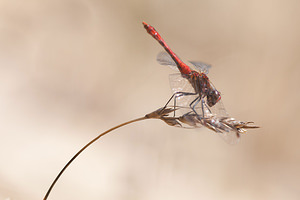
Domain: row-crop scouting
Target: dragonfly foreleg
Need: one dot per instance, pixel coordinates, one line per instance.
(195, 102)
(204, 106)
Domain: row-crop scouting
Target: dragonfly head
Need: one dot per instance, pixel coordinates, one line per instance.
(213, 97)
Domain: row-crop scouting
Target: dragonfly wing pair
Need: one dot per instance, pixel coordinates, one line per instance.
(212, 115)
(164, 58)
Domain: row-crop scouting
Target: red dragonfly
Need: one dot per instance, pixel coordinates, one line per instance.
(199, 81)
(192, 88)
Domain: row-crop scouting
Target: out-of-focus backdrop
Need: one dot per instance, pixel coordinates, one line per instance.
(71, 69)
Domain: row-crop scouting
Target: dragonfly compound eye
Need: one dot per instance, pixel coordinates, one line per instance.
(213, 97)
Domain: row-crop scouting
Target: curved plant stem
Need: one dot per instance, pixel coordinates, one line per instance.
(86, 146)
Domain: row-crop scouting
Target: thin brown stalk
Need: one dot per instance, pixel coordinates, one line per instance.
(219, 125)
(86, 146)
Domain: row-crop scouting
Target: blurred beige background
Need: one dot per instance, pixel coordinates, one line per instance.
(72, 69)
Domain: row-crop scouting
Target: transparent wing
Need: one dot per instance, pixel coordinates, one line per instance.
(214, 118)
(180, 84)
(164, 58)
(201, 66)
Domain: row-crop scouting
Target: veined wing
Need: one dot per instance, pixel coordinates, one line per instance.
(164, 58)
(201, 66)
(214, 118)
(180, 84)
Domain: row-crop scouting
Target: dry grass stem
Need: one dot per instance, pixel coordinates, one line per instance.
(187, 120)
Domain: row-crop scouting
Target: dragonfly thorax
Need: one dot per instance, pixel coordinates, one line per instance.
(200, 82)
(203, 87)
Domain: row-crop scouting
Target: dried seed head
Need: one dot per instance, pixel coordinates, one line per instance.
(225, 126)
(159, 113)
(190, 119)
(171, 121)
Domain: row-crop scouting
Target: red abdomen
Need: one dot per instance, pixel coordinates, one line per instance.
(183, 68)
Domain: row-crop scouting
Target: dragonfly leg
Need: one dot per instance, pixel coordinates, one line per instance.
(182, 94)
(177, 95)
(169, 100)
(195, 102)
(204, 106)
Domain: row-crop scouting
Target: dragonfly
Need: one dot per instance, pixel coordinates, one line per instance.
(195, 94)
(201, 84)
